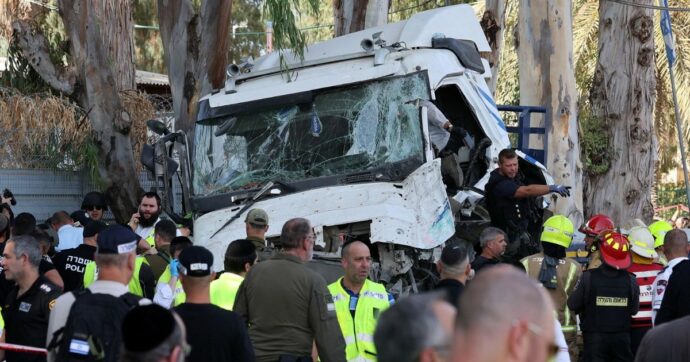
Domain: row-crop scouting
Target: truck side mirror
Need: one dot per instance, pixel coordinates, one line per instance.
(147, 157)
(157, 127)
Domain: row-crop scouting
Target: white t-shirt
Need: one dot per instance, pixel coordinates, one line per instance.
(69, 237)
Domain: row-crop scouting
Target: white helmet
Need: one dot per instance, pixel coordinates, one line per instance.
(642, 242)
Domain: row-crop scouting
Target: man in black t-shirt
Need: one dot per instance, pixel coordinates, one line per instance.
(507, 201)
(215, 334)
(493, 242)
(27, 308)
(71, 263)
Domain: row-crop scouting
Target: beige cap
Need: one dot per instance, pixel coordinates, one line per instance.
(257, 217)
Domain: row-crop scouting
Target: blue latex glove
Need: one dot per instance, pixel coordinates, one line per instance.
(560, 189)
(173, 268)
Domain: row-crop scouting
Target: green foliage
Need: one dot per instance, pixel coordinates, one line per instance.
(286, 35)
(669, 195)
(148, 45)
(594, 143)
(249, 35)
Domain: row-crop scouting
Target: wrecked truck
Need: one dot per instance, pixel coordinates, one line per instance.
(335, 139)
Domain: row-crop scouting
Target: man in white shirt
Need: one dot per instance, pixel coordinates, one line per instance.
(69, 236)
(676, 248)
(144, 221)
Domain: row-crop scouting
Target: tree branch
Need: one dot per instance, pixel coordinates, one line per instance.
(35, 49)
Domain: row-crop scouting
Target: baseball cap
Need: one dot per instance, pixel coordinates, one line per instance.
(195, 261)
(117, 239)
(146, 327)
(453, 253)
(93, 228)
(257, 217)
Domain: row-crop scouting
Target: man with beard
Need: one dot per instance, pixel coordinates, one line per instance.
(143, 222)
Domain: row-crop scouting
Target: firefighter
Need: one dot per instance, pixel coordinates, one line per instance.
(557, 273)
(593, 227)
(659, 230)
(645, 270)
(606, 298)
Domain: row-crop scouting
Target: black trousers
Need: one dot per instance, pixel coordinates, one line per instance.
(636, 335)
(607, 347)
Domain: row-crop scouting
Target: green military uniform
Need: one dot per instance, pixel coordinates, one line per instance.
(159, 262)
(224, 290)
(568, 272)
(287, 307)
(263, 252)
(358, 329)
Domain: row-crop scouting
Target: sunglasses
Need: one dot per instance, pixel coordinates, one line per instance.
(91, 208)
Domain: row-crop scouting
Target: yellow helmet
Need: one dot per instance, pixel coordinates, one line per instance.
(642, 242)
(658, 230)
(558, 230)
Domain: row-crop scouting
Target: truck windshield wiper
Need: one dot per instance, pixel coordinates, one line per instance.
(268, 189)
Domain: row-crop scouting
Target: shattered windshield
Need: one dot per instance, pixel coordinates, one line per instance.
(343, 130)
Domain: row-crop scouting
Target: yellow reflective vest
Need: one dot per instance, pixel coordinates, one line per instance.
(224, 290)
(91, 274)
(359, 331)
(179, 293)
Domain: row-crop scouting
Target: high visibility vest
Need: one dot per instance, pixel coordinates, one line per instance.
(568, 272)
(224, 290)
(358, 332)
(91, 274)
(179, 293)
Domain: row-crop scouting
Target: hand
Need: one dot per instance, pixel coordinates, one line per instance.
(173, 268)
(560, 189)
(134, 221)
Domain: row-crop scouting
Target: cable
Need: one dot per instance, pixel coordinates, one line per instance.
(653, 7)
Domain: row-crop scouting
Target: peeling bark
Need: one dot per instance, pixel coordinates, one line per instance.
(35, 49)
(195, 53)
(547, 78)
(623, 95)
(350, 16)
(493, 23)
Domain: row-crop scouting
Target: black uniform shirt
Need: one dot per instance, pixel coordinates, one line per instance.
(71, 263)
(6, 286)
(215, 334)
(502, 204)
(26, 317)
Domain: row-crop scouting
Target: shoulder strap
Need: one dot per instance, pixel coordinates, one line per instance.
(56, 339)
(132, 300)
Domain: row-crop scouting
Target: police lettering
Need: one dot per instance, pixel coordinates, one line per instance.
(612, 302)
(78, 260)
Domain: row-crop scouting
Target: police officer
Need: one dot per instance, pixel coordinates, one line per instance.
(507, 201)
(287, 306)
(28, 305)
(606, 298)
(71, 263)
(596, 225)
(240, 256)
(95, 205)
(358, 302)
(557, 273)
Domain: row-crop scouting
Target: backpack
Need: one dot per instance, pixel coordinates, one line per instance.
(92, 330)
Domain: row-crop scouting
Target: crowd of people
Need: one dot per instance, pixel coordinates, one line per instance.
(77, 289)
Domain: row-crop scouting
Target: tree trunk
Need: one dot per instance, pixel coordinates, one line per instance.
(100, 69)
(354, 15)
(622, 98)
(493, 23)
(196, 50)
(547, 78)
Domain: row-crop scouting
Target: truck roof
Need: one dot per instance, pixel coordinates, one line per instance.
(457, 21)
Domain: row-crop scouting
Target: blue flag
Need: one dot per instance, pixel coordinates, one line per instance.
(667, 33)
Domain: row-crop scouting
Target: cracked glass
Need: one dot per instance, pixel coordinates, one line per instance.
(342, 131)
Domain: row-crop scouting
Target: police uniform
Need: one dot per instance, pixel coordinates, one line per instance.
(660, 284)
(224, 290)
(507, 212)
(71, 264)
(568, 272)
(26, 317)
(357, 316)
(605, 299)
(287, 307)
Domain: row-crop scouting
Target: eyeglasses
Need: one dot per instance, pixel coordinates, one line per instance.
(553, 348)
(91, 208)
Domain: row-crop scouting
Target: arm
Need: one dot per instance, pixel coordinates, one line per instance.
(324, 323)
(54, 277)
(635, 292)
(242, 346)
(531, 191)
(576, 300)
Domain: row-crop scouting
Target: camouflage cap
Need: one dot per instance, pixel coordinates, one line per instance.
(257, 217)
